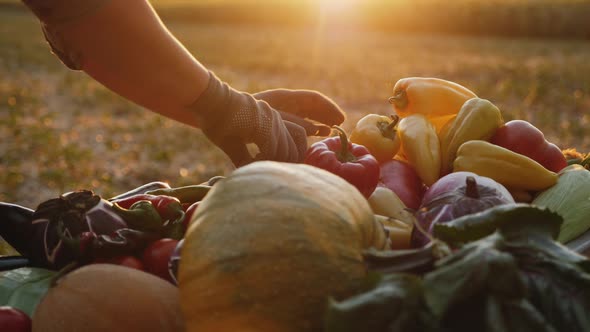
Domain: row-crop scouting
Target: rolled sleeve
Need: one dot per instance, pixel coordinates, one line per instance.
(55, 16)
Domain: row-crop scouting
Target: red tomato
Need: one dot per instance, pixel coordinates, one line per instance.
(157, 255)
(129, 261)
(14, 320)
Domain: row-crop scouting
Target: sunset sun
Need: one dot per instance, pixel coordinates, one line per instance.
(337, 6)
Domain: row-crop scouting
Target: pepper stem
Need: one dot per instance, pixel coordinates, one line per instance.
(388, 130)
(344, 155)
(471, 187)
(399, 100)
(174, 229)
(394, 122)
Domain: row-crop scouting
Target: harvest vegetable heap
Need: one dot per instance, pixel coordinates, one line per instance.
(439, 217)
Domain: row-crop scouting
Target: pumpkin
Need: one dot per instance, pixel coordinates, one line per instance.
(270, 244)
(107, 297)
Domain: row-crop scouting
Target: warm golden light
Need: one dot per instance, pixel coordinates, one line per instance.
(328, 7)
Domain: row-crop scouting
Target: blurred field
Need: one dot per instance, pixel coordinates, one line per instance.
(61, 131)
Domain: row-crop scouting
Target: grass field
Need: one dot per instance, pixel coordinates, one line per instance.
(61, 131)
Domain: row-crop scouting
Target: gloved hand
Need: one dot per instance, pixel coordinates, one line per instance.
(232, 119)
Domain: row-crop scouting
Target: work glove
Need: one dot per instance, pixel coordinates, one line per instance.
(276, 121)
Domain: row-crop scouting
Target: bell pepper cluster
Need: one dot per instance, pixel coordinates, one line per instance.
(438, 127)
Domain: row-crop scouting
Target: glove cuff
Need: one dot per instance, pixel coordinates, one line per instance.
(209, 107)
(233, 119)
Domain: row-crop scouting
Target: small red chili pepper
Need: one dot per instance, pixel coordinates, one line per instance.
(168, 207)
(80, 246)
(190, 211)
(353, 162)
(89, 246)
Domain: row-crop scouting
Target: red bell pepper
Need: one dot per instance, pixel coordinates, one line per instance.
(522, 137)
(402, 179)
(350, 161)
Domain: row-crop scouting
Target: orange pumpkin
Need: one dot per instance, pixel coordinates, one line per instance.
(107, 297)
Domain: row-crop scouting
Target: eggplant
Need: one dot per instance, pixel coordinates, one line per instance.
(60, 223)
(16, 227)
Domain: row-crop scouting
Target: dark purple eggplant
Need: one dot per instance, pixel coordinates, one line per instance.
(15, 226)
(58, 222)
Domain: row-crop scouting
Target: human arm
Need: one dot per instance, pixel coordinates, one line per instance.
(126, 47)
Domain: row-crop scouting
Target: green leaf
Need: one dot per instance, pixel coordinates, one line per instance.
(559, 289)
(396, 304)
(534, 247)
(24, 287)
(477, 268)
(511, 218)
(413, 261)
(514, 315)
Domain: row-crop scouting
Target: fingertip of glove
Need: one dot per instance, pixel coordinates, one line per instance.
(330, 112)
(323, 130)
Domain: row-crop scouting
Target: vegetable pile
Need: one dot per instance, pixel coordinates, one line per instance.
(439, 217)
(515, 279)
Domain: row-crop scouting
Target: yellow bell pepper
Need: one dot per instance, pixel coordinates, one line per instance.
(478, 119)
(521, 195)
(432, 97)
(421, 146)
(440, 122)
(378, 133)
(511, 169)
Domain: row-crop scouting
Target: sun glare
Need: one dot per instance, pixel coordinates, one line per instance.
(328, 7)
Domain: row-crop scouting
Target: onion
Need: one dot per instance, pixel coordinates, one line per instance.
(453, 196)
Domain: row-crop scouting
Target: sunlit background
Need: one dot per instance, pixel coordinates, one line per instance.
(60, 130)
